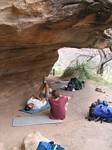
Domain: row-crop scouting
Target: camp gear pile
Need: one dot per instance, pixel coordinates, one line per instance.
(100, 110)
(75, 84)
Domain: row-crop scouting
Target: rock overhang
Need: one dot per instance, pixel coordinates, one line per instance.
(31, 32)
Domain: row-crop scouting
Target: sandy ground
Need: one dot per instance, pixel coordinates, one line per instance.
(75, 133)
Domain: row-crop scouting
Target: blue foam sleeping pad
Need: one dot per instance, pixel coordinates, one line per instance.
(45, 107)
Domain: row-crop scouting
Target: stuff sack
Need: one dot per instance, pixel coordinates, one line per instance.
(101, 111)
(49, 146)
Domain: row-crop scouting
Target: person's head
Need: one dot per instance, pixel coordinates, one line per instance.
(55, 93)
(29, 106)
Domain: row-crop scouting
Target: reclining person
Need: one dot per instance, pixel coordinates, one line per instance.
(58, 105)
(34, 103)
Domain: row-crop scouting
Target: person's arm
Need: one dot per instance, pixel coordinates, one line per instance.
(69, 97)
(46, 87)
(66, 106)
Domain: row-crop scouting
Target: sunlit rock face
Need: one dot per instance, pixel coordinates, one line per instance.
(31, 32)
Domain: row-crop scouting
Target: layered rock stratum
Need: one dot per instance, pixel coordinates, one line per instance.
(31, 32)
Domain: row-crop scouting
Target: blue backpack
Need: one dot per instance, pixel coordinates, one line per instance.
(104, 111)
(49, 146)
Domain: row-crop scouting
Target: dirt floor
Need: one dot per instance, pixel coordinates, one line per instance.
(75, 133)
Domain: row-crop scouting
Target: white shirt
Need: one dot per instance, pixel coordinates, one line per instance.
(37, 103)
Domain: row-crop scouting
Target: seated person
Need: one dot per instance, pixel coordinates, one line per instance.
(34, 103)
(58, 105)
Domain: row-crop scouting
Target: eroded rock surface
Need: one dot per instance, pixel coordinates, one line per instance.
(31, 31)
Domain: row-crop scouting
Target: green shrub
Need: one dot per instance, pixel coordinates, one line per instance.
(81, 71)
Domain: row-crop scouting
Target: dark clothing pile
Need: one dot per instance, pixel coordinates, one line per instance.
(75, 84)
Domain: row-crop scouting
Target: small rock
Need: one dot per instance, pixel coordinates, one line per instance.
(32, 140)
